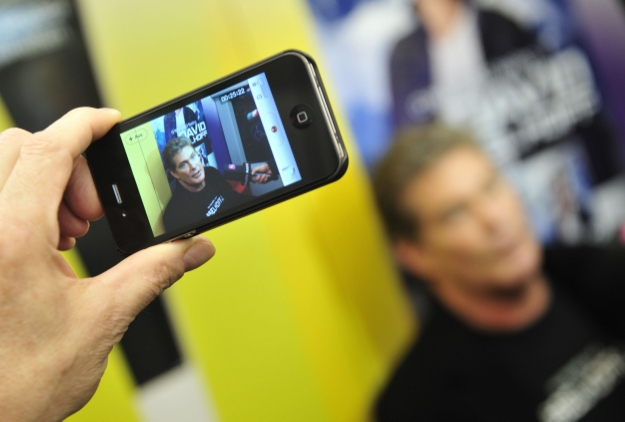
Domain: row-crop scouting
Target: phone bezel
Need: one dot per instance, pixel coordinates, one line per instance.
(318, 149)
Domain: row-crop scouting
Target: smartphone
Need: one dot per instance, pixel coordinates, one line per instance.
(243, 143)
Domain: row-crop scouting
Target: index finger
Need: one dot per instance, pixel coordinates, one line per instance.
(35, 186)
(78, 128)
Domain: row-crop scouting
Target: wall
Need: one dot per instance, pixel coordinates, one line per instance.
(299, 315)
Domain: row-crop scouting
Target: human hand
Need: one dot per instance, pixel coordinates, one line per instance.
(261, 174)
(56, 331)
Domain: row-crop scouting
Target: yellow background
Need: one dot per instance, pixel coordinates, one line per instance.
(300, 314)
(149, 173)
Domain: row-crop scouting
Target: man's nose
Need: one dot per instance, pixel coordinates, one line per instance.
(492, 215)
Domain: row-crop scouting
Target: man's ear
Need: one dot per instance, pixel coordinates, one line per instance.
(413, 257)
(173, 173)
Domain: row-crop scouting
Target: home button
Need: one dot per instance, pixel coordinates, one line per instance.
(301, 116)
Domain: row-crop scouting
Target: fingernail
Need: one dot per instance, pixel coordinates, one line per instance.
(198, 254)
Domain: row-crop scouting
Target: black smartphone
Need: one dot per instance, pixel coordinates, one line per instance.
(245, 142)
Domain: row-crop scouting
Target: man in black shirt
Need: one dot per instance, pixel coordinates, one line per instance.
(200, 191)
(513, 333)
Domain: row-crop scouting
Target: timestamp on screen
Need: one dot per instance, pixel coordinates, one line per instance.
(232, 95)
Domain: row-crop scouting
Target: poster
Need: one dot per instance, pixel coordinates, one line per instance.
(524, 76)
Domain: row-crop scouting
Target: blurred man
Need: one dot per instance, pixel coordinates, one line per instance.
(514, 333)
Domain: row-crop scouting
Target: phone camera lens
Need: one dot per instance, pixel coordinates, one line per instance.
(301, 116)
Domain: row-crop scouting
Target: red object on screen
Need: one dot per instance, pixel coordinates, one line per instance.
(240, 187)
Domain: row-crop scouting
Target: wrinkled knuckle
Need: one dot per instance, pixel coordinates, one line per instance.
(176, 272)
(115, 320)
(43, 146)
(39, 142)
(13, 135)
(167, 274)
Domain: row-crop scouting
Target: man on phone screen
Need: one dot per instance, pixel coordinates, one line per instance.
(200, 191)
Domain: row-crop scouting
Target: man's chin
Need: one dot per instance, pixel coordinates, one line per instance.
(509, 294)
(526, 259)
(520, 270)
(511, 283)
(193, 185)
(199, 179)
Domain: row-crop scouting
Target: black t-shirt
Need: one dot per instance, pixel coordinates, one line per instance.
(569, 366)
(187, 207)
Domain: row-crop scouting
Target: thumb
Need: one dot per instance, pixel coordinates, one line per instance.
(137, 280)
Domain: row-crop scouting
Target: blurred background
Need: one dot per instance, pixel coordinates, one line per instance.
(309, 326)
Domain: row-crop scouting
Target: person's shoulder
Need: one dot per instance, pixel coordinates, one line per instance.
(594, 276)
(405, 387)
(495, 19)
(588, 270)
(410, 38)
(408, 44)
(174, 193)
(211, 171)
(501, 35)
(214, 177)
(581, 258)
(418, 384)
(170, 215)
(175, 202)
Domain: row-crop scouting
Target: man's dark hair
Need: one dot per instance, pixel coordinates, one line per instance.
(415, 149)
(173, 147)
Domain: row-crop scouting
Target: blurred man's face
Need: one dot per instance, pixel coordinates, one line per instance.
(189, 169)
(472, 227)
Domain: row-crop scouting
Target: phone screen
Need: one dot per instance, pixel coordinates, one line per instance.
(210, 155)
